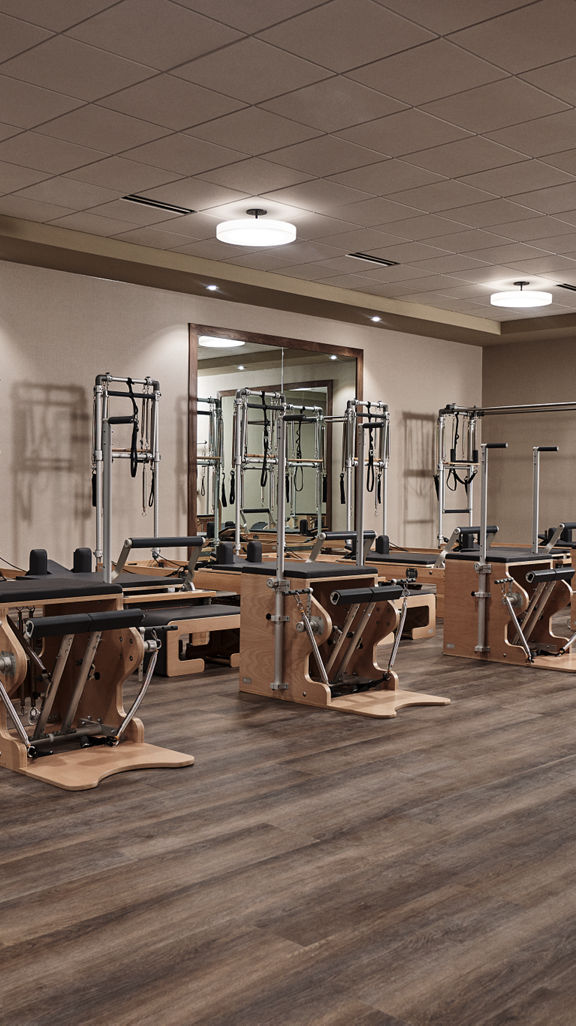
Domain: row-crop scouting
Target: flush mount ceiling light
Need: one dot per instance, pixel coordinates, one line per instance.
(521, 299)
(215, 342)
(251, 231)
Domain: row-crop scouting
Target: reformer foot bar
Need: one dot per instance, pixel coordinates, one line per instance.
(314, 627)
(74, 664)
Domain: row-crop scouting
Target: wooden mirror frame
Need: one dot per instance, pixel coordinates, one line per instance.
(281, 342)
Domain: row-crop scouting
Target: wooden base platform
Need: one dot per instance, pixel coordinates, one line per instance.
(81, 770)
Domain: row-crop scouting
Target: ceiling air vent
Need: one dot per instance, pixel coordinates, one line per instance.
(571, 288)
(373, 259)
(158, 204)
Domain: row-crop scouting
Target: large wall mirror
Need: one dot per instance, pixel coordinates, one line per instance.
(308, 374)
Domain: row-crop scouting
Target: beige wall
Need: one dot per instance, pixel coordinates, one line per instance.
(530, 373)
(57, 331)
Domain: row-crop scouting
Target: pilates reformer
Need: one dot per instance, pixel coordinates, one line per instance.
(200, 629)
(142, 451)
(314, 626)
(500, 602)
(210, 460)
(262, 409)
(67, 649)
(376, 415)
(457, 452)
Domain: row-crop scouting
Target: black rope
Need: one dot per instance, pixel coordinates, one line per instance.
(134, 440)
(299, 471)
(264, 472)
(232, 488)
(370, 468)
(342, 489)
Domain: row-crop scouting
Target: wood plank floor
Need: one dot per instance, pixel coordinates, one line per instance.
(312, 868)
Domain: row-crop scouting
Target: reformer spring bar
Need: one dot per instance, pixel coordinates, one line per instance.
(482, 567)
(536, 450)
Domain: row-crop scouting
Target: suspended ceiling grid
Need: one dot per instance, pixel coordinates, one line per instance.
(435, 135)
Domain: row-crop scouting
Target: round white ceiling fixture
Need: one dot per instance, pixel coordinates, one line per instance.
(251, 231)
(214, 342)
(521, 299)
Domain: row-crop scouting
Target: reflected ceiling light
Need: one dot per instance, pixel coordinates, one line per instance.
(376, 319)
(521, 299)
(251, 231)
(214, 342)
(211, 288)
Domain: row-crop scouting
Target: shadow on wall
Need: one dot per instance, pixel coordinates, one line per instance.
(51, 504)
(418, 507)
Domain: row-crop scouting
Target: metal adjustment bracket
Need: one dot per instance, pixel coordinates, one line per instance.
(282, 585)
(278, 619)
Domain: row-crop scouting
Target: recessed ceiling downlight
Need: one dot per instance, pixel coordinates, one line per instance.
(215, 342)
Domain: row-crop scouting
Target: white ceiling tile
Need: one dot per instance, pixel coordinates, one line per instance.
(534, 228)
(386, 177)
(468, 241)
(158, 238)
(182, 153)
(490, 213)
(212, 249)
(426, 226)
(305, 253)
(451, 14)
(465, 156)
(318, 226)
(172, 34)
(405, 252)
(13, 177)
(558, 78)
(510, 252)
(321, 196)
(334, 104)
(541, 136)
(566, 160)
(9, 131)
(253, 71)
(488, 274)
(91, 223)
(68, 193)
(107, 130)
(558, 244)
(253, 16)
(550, 201)
(496, 105)
(254, 130)
(29, 209)
(57, 14)
(517, 178)
(340, 35)
(124, 175)
(403, 133)
(194, 193)
(71, 67)
(363, 240)
(546, 264)
(269, 260)
(427, 73)
(133, 213)
(454, 263)
(375, 211)
(27, 105)
(255, 176)
(526, 38)
(326, 155)
(16, 36)
(31, 149)
(441, 196)
(171, 102)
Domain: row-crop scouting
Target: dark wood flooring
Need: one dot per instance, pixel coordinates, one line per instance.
(312, 868)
